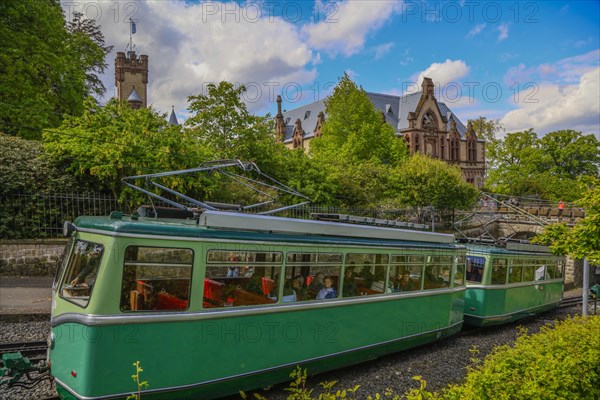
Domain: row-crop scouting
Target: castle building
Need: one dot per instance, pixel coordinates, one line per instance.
(425, 124)
(131, 78)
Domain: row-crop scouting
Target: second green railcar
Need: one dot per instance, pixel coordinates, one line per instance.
(508, 283)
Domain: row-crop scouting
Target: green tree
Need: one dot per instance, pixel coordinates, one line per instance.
(221, 119)
(522, 164)
(88, 40)
(570, 154)
(355, 131)
(513, 163)
(111, 142)
(42, 67)
(423, 181)
(357, 149)
(583, 239)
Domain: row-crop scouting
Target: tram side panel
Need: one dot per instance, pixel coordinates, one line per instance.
(97, 360)
(214, 353)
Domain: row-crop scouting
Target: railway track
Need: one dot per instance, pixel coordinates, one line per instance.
(571, 301)
(35, 351)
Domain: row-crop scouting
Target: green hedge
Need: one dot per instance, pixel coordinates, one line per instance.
(560, 362)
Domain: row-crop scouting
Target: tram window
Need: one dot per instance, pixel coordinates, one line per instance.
(437, 272)
(241, 278)
(312, 276)
(369, 274)
(514, 275)
(156, 278)
(541, 272)
(499, 271)
(459, 275)
(551, 269)
(475, 267)
(82, 270)
(405, 272)
(528, 273)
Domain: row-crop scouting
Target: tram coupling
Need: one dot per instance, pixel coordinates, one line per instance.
(16, 366)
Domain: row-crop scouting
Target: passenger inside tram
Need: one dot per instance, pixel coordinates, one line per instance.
(327, 292)
(349, 289)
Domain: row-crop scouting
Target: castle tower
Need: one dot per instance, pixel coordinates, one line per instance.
(131, 73)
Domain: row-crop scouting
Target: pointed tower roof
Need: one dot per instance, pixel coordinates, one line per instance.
(133, 96)
(173, 117)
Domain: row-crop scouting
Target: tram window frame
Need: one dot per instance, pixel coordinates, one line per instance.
(402, 264)
(460, 273)
(83, 267)
(499, 263)
(529, 271)
(371, 273)
(160, 284)
(303, 270)
(477, 263)
(225, 283)
(438, 272)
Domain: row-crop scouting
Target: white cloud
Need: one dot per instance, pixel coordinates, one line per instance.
(502, 32)
(382, 49)
(443, 73)
(476, 30)
(551, 106)
(190, 45)
(567, 70)
(345, 30)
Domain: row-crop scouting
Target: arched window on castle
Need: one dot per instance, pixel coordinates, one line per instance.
(454, 146)
(471, 149)
(417, 147)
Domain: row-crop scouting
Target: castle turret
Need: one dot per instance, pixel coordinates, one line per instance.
(131, 71)
(279, 123)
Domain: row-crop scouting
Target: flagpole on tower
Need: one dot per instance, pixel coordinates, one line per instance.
(132, 30)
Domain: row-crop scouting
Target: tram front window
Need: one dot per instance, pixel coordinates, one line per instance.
(156, 279)
(475, 267)
(82, 269)
(241, 278)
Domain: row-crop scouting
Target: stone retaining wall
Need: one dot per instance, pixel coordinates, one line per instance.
(30, 257)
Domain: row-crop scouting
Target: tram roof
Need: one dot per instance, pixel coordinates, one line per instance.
(510, 249)
(228, 225)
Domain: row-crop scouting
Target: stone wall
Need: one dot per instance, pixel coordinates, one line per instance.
(30, 257)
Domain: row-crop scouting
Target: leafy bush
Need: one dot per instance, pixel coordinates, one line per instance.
(25, 169)
(560, 362)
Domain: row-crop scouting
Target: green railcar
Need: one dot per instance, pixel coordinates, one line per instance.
(510, 283)
(227, 302)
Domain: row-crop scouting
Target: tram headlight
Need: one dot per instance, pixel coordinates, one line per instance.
(68, 228)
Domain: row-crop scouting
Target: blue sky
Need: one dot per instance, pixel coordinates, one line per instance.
(528, 64)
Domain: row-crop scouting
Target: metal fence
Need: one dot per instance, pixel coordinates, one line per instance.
(24, 215)
(27, 215)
